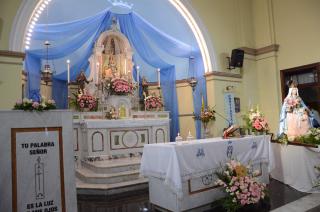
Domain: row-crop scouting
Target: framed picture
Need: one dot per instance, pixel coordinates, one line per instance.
(237, 104)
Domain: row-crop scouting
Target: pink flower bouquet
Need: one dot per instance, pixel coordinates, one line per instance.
(292, 103)
(241, 187)
(87, 102)
(260, 124)
(153, 102)
(207, 114)
(256, 121)
(120, 86)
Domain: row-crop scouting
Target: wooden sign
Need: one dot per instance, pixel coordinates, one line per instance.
(37, 170)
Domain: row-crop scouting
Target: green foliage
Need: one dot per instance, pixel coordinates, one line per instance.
(229, 205)
(312, 137)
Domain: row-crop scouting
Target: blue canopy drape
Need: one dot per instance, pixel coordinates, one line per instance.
(82, 34)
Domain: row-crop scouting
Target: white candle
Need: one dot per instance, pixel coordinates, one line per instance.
(158, 77)
(95, 77)
(68, 70)
(138, 76)
(125, 66)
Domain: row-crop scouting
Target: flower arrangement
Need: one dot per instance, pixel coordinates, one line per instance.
(207, 114)
(311, 137)
(256, 121)
(86, 102)
(153, 102)
(119, 86)
(30, 105)
(240, 185)
(292, 103)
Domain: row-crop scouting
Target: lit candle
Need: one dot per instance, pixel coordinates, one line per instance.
(158, 77)
(68, 70)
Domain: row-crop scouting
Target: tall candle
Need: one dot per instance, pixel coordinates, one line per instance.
(138, 76)
(95, 77)
(158, 77)
(68, 70)
(125, 66)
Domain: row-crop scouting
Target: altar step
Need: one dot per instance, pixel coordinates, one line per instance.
(110, 176)
(112, 166)
(98, 178)
(110, 189)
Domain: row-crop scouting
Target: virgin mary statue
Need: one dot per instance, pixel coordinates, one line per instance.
(294, 117)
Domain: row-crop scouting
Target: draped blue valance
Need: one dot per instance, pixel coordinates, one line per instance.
(81, 35)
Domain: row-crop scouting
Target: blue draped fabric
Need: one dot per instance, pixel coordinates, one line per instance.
(163, 40)
(61, 30)
(34, 57)
(33, 67)
(81, 35)
(60, 93)
(167, 71)
(200, 91)
(179, 49)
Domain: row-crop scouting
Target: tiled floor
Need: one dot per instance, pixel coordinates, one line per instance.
(281, 194)
(282, 198)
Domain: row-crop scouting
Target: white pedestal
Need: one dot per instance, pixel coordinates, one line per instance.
(295, 166)
(37, 161)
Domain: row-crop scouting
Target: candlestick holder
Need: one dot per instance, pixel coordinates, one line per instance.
(69, 97)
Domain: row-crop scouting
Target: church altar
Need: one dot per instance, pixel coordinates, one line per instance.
(98, 137)
(295, 166)
(117, 128)
(181, 175)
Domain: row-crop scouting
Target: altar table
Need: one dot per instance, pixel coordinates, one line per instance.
(181, 175)
(295, 166)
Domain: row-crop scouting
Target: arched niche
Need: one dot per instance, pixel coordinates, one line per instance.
(122, 47)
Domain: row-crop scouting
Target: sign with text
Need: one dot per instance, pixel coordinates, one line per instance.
(37, 170)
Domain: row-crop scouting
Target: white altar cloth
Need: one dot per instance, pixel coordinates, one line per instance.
(295, 166)
(176, 163)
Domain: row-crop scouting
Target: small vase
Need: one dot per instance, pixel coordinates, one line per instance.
(259, 132)
(85, 110)
(206, 131)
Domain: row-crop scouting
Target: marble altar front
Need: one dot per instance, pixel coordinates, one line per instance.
(108, 152)
(97, 137)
